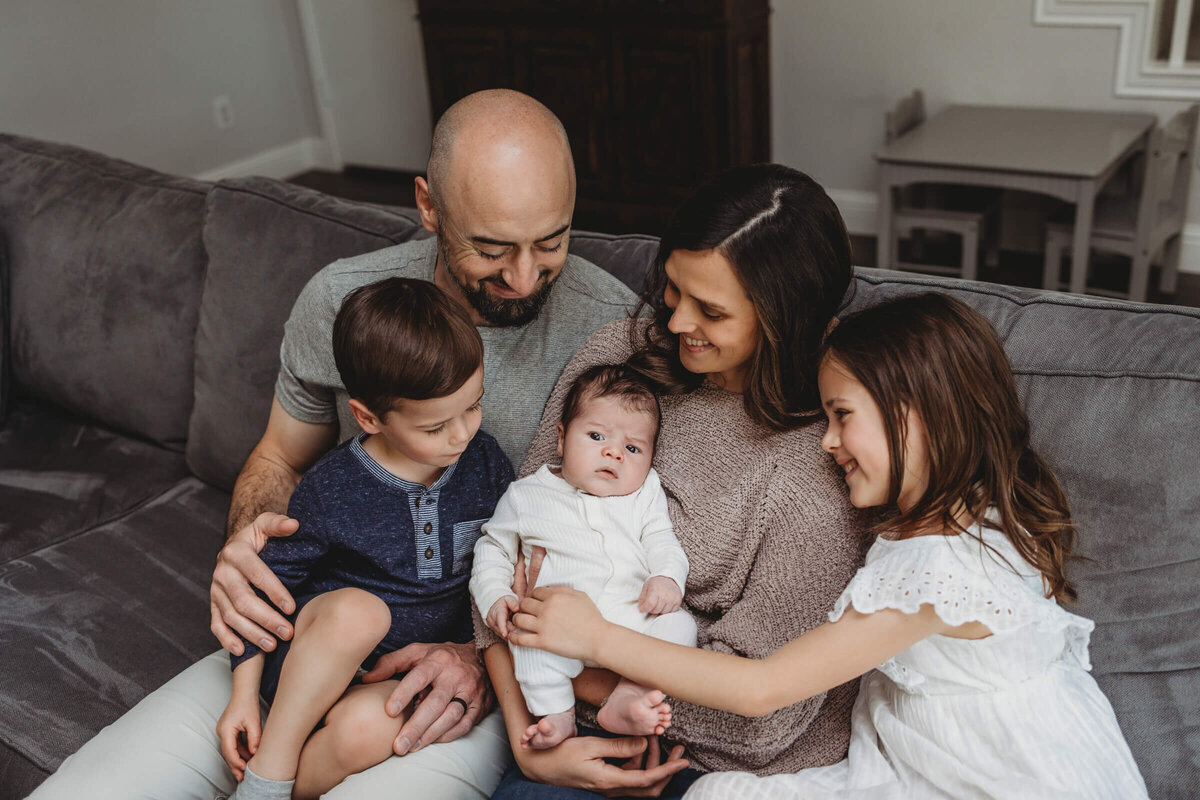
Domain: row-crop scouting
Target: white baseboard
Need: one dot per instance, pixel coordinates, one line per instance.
(860, 211)
(284, 161)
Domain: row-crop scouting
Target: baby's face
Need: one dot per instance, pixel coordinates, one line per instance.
(607, 449)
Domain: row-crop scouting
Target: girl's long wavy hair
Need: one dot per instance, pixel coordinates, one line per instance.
(788, 247)
(938, 357)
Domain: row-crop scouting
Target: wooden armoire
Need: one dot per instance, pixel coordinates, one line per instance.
(655, 94)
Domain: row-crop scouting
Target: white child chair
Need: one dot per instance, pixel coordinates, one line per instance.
(920, 208)
(1161, 204)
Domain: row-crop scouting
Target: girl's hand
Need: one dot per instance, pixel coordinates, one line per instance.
(242, 715)
(500, 614)
(561, 620)
(660, 595)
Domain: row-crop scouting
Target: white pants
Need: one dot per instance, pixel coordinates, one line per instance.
(546, 678)
(166, 747)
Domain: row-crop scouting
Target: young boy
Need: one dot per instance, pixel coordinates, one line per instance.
(388, 524)
(602, 518)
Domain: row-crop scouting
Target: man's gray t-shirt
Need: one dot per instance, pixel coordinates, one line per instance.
(520, 365)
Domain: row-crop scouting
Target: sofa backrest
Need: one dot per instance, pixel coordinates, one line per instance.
(105, 266)
(1112, 391)
(264, 239)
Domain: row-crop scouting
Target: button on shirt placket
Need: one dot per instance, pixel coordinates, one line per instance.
(428, 546)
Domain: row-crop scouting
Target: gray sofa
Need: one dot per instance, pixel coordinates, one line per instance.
(143, 314)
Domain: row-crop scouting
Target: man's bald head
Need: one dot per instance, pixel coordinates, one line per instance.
(499, 194)
(496, 136)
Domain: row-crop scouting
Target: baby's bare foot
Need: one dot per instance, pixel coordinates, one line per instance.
(634, 710)
(549, 731)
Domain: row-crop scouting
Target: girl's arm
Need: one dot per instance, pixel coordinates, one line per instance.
(566, 622)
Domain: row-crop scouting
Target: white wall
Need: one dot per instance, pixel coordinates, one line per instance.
(136, 79)
(838, 66)
(370, 65)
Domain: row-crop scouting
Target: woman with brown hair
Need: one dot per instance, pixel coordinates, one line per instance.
(747, 278)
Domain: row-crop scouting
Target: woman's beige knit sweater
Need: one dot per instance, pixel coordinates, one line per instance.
(772, 540)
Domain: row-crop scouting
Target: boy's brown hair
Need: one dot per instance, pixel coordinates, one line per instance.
(611, 380)
(403, 339)
(939, 357)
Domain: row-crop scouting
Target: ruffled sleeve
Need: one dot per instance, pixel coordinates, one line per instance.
(964, 581)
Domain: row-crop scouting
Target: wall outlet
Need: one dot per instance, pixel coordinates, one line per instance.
(223, 112)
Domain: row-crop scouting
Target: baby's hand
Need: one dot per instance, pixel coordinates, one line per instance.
(660, 595)
(242, 715)
(499, 616)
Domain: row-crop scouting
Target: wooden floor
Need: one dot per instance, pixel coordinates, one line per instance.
(389, 187)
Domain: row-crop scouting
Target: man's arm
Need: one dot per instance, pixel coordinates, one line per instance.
(275, 465)
(257, 512)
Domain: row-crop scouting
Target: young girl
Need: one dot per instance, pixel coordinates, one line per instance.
(981, 687)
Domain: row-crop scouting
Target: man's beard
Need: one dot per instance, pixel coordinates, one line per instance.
(501, 313)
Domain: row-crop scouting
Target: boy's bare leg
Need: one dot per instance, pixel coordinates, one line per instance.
(635, 710)
(357, 735)
(334, 633)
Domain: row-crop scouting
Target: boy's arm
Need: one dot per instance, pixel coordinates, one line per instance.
(242, 716)
(247, 678)
(664, 555)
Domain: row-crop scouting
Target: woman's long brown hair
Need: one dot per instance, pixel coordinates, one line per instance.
(787, 244)
(938, 357)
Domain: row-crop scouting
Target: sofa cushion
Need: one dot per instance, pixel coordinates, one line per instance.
(61, 475)
(1113, 395)
(264, 239)
(105, 269)
(627, 256)
(94, 623)
(5, 363)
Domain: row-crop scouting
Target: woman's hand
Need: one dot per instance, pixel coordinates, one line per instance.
(579, 763)
(562, 620)
(525, 579)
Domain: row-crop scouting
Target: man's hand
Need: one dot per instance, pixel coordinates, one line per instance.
(499, 616)
(579, 762)
(446, 673)
(660, 595)
(235, 608)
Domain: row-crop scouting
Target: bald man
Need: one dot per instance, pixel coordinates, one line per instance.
(499, 195)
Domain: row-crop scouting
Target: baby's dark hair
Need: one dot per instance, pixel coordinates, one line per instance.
(940, 358)
(611, 380)
(403, 339)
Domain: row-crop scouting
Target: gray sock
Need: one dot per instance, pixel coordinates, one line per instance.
(254, 787)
